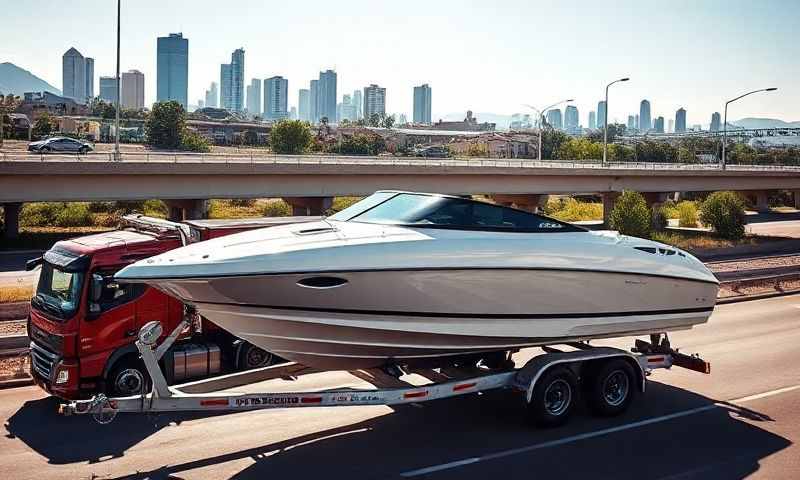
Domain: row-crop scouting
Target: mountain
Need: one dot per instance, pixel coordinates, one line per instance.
(764, 123)
(18, 81)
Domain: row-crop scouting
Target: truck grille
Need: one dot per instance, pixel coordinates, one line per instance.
(42, 361)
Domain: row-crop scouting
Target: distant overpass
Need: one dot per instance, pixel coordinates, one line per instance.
(732, 132)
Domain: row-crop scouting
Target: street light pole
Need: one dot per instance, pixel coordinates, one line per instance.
(541, 120)
(605, 121)
(119, 90)
(725, 121)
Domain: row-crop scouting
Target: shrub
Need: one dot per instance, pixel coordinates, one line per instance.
(687, 214)
(670, 208)
(724, 212)
(40, 214)
(155, 208)
(571, 210)
(276, 208)
(101, 207)
(660, 219)
(191, 141)
(631, 216)
(73, 215)
(290, 137)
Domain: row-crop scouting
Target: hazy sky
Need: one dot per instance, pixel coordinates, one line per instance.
(484, 56)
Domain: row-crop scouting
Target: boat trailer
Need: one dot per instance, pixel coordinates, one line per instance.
(610, 377)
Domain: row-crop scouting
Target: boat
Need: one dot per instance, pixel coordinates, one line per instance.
(405, 278)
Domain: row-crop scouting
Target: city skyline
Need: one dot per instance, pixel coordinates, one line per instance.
(664, 80)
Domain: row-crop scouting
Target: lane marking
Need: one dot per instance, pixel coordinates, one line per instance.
(596, 433)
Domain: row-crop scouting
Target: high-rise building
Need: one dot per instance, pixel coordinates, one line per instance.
(254, 97)
(671, 126)
(326, 96)
(645, 124)
(73, 75)
(422, 104)
(374, 101)
(237, 80)
(358, 103)
(680, 121)
(592, 120)
(346, 110)
(631, 124)
(293, 113)
(276, 98)
(225, 89)
(715, 122)
(132, 90)
(172, 68)
(636, 121)
(89, 77)
(201, 104)
(571, 119)
(303, 105)
(658, 125)
(313, 101)
(108, 89)
(212, 96)
(554, 118)
(601, 114)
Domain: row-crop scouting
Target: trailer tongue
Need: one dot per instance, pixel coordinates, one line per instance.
(610, 378)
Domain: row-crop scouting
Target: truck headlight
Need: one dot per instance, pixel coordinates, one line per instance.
(62, 377)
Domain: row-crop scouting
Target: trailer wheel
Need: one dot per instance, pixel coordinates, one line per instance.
(610, 387)
(250, 356)
(129, 377)
(553, 397)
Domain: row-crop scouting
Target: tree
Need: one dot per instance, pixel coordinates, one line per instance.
(631, 216)
(291, 137)
(374, 120)
(43, 125)
(614, 130)
(724, 212)
(8, 103)
(388, 122)
(165, 126)
(551, 140)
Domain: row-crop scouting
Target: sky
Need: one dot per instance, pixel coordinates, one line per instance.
(478, 55)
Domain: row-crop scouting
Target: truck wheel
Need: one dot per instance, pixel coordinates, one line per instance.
(610, 388)
(553, 397)
(250, 357)
(128, 378)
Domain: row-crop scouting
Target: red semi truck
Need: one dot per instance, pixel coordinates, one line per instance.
(83, 325)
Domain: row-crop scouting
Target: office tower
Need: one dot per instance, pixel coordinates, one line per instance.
(201, 104)
(374, 101)
(671, 127)
(172, 68)
(304, 105)
(346, 110)
(326, 95)
(715, 122)
(254, 97)
(108, 89)
(631, 124)
(212, 96)
(554, 118)
(422, 104)
(601, 114)
(293, 113)
(658, 125)
(225, 89)
(697, 128)
(232, 82)
(571, 119)
(401, 119)
(645, 123)
(592, 120)
(680, 121)
(276, 98)
(132, 90)
(89, 77)
(313, 101)
(358, 103)
(73, 75)
(636, 121)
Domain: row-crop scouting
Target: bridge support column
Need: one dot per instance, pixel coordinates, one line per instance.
(762, 201)
(187, 209)
(654, 201)
(11, 220)
(529, 202)
(302, 206)
(796, 195)
(609, 199)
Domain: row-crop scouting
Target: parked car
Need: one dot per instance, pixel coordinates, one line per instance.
(60, 144)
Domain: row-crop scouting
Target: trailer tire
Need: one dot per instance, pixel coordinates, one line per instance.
(609, 387)
(553, 397)
(250, 356)
(128, 377)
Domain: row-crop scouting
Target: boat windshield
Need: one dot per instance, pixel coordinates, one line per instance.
(435, 211)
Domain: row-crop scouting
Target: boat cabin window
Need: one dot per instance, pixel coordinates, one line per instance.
(436, 211)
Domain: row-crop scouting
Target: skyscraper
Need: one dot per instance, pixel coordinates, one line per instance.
(254, 97)
(680, 121)
(601, 113)
(374, 101)
(554, 118)
(422, 104)
(313, 101)
(225, 89)
(108, 89)
(212, 96)
(636, 121)
(237, 80)
(645, 123)
(592, 120)
(715, 122)
(658, 125)
(326, 99)
(90, 77)
(276, 97)
(671, 126)
(631, 124)
(73, 75)
(172, 68)
(304, 106)
(571, 119)
(358, 103)
(132, 90)
(346, 110)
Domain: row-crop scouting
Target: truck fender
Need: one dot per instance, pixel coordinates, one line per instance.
(129, 349)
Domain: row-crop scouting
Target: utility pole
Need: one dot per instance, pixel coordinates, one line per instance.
(119, 90)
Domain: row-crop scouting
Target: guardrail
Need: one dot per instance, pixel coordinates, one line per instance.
(266, 158)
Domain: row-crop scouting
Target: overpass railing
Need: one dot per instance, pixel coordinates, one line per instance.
(262, 158)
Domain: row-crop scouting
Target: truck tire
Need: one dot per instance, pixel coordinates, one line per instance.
(553, 398)
(128, 377)
(609, 387)
(249, 357)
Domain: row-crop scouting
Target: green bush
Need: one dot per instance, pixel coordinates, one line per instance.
(74, 215)
(101, 207)
(276, 208)
(687, 214)
(724, 212)
(40, 214)
(290, 137)
(191, 141)
(660, 219)
(155, 208)
(568, 209)
(631, 215)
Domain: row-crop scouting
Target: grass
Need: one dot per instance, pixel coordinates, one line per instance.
(701, 241)
(248, 208)
(10, 294)
(571, 210)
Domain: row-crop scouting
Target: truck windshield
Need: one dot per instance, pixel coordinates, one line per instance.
(58, 292)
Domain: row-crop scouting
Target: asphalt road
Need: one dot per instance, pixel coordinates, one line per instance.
(741, 420)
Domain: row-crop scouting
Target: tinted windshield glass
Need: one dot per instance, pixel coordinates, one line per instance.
(58, 292)
(359, 207)
(446, 212)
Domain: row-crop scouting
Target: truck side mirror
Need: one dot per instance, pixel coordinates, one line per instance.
(32, 264)
(97, 287)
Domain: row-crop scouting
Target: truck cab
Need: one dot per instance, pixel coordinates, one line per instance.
(83, 324)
